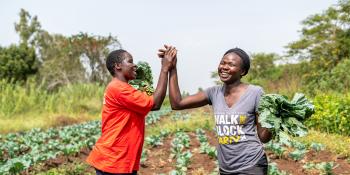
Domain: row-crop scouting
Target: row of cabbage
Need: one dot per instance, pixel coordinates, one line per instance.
(297, 151)
(19, 151)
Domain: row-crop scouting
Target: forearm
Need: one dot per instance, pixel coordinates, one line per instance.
(264, 134)
(174, 90)
(159, 93)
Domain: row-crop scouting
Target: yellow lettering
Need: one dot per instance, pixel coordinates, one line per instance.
(224, 140)
(242, 119)
(235, 138)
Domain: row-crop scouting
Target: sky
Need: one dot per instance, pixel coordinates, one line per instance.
(202, 31)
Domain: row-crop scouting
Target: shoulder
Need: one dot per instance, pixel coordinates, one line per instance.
(215, 88)
(117, 87)
(256, 89)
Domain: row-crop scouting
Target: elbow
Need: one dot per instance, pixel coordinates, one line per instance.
(175, 107)
(265, 140)
(156, 107)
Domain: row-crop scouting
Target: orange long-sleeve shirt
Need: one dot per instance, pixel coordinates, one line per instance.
(119, 148)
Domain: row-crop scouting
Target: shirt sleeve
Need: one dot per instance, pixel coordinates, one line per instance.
(260, 92)
(208, 92)
(135, 100)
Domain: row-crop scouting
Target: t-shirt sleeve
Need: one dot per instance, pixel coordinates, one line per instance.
(135, 100)
(209, 93)
(260, 92)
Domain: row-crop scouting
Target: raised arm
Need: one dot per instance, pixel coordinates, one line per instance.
(159, 93)
(176, 100)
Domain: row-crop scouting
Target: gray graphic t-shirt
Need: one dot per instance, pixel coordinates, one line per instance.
(239, 146)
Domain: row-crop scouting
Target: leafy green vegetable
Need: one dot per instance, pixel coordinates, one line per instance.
(144, 78)
(285, 117)
(297, 154)
(317, 146)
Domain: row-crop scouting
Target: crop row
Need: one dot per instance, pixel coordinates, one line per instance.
(19, 151)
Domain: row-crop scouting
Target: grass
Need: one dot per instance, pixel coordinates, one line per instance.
(198, 119)
(335, 143)
(44, 121)
(30, 106)
(76, 168)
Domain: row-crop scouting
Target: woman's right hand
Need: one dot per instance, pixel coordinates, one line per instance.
(168, 56)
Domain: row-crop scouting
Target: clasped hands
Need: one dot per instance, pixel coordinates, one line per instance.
(168, 54)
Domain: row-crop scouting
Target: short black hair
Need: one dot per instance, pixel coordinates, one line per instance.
(116, 56)
(244, 57)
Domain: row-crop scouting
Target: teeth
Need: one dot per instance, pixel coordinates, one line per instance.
(224, 74)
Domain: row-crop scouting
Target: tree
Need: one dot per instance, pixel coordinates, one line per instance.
(263, 66)
(325, 37)
(214, 75)
(17, 62)
(27, 28)
(324, 43)
(65, 59)
(79, 58)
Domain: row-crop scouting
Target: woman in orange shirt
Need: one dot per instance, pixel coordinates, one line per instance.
(118, 150)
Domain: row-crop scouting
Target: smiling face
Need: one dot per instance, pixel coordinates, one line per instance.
(127, 67)
(230, 68)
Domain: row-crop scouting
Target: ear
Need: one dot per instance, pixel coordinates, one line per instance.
(243, 72)
(118, 66)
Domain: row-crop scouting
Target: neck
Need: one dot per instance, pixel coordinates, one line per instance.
(231, 87)
(120, 78)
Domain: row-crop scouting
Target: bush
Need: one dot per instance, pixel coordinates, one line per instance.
(332, 113)
(17, 62)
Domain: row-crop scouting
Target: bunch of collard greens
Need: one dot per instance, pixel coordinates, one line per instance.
(284, 117)
(144, 79)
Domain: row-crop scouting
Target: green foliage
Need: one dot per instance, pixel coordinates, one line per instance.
(183, 161)
(17, 62)
(325, 37)
(273, 170)
(325, 43)
(154, 140)
(263, 68)
(205, 148)
(297, 154)
(285, 117)
(75, 168)
(31, 98)
(276, 147)
(332, 113)
(317, 146)
(27, 28)
(335, 80)
(65, 60)
(144, 78)
(78, 58)
(28, 148)
(324, 167)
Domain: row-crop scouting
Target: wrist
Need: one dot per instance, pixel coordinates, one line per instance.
(164, 70)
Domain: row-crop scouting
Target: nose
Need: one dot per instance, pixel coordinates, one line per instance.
(224, 66)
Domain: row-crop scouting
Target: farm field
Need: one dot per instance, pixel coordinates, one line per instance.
(176, 143)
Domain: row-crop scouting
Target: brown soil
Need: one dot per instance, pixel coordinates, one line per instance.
(64, 121)
(159, 160)
(296, 167)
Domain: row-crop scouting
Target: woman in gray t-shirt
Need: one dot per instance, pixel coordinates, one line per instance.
(240, 136)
